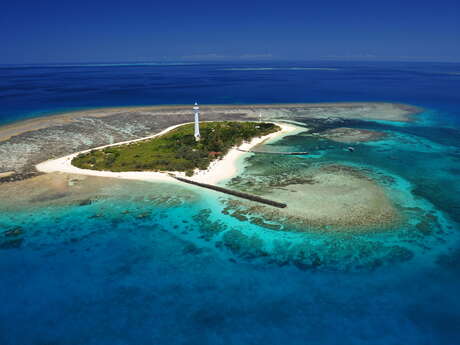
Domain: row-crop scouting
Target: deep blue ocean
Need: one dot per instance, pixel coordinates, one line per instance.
(124, 270)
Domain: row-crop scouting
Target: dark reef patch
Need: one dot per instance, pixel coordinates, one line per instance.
(11, 243)
(206, 227)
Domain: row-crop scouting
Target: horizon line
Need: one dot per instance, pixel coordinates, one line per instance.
(122, 63)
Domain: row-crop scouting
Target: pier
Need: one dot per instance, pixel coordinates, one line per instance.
(277, 153)
(242, 195)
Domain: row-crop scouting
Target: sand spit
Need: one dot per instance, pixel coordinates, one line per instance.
(6, 174)
(219, 170)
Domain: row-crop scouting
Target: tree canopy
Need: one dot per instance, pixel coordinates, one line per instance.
(176, 150)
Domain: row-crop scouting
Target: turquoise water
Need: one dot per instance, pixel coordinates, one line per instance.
(155, 264)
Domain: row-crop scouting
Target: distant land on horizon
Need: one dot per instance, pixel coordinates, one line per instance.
(154, 62)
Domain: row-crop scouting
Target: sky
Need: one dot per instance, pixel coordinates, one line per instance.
(50, 31)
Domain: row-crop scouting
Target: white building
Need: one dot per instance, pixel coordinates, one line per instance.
(196, 108)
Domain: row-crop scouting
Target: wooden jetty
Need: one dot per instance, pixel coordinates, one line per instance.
(277, 153)
(242, 195)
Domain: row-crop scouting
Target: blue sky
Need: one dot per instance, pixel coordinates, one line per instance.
(106, 31)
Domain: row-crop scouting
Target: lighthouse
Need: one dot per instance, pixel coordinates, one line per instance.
(196, 108)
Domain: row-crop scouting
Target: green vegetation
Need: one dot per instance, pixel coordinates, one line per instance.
(176, 150)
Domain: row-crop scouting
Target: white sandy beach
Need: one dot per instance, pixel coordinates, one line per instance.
(219, 170)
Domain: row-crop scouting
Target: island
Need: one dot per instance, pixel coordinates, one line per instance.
(27, 143)
(174, 153)
(176, 150)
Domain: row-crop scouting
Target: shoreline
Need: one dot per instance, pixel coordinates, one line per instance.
(25, 144)
(218, 171)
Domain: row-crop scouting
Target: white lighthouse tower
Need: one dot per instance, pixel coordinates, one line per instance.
(196, 108)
